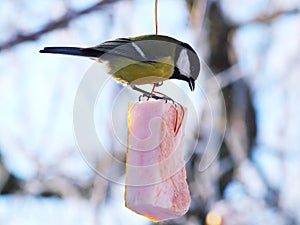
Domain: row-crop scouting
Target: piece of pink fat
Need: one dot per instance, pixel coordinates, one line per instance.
(155, 170)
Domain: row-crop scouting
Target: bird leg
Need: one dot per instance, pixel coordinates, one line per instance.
(158, 84)
(154, 86)
(145, 93)
(151, 94)
(165, 97)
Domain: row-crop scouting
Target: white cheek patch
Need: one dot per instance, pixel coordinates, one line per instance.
(183, 63)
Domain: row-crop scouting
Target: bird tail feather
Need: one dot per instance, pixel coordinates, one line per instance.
(86, 52)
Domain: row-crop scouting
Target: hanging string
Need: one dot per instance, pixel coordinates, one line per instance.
(156, 33)
(155, 16)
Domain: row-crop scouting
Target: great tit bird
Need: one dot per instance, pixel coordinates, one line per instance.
(147, 59)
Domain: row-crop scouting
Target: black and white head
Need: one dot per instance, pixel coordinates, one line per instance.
(187, 64)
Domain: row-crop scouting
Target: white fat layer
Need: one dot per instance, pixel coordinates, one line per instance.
(138, 49)
(183, 63)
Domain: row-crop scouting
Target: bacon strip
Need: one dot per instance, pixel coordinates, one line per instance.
(155, 174)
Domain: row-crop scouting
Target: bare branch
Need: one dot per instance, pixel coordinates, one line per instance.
(53, 25)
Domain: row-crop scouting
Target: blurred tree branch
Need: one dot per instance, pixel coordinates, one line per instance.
(269, 18)
(53, 25)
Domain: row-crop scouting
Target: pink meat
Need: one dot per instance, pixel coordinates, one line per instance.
(155, 174)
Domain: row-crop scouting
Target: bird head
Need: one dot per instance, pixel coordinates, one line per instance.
(187, 64)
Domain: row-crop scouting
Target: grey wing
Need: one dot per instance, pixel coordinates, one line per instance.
(121, 47)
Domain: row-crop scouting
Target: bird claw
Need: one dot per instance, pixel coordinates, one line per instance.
(147, 96)
(150, 95)
(156, 97)
(166, 98)
(154, 94)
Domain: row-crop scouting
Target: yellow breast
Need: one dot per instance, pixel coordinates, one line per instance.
(140, 73)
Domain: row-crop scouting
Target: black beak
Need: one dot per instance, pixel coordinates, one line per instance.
(192, 84)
